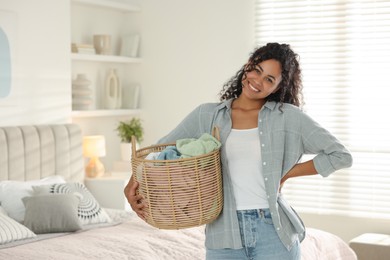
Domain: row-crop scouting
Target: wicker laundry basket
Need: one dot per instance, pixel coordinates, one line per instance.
(181, 193)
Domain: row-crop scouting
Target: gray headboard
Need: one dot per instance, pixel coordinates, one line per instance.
(38, 151)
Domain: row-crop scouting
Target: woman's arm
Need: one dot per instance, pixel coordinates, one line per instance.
(189, 127)
(300, 169)
(330, 153)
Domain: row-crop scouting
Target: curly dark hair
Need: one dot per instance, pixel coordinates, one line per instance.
(290, 87)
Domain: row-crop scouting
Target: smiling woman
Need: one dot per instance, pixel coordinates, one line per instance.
(259, 105)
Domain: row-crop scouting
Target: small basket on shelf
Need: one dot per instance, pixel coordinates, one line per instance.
(181, 193)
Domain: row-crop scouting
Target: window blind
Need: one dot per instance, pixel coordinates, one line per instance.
(344, 49)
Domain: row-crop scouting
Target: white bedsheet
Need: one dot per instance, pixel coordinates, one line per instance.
(134, 239)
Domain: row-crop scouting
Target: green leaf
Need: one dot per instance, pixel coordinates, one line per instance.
(126, 129)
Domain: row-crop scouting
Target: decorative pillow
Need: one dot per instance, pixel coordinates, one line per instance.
(12, 192)
(52, 213)
(11, 230)
(89, 210)
(2, 211)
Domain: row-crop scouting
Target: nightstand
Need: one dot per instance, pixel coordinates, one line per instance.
(108, 190)
(371, 246)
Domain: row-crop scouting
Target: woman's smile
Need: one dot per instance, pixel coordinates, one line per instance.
(253, 88)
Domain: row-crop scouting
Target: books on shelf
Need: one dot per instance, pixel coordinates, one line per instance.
(83, 48)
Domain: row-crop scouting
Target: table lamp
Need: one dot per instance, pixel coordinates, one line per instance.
(94, 146)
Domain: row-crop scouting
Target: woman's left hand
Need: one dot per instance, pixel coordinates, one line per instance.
(299, 169)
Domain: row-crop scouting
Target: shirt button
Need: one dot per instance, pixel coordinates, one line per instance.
(268, 197)
(266, 179)
(278, 229)
(262, 145)
(264, 163)
(261, 132)
(260, 121)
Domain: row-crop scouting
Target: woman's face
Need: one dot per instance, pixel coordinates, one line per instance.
(263, 80)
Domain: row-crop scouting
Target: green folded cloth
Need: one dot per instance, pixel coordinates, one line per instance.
(190, 147)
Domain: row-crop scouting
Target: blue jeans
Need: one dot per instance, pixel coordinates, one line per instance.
(259, 240)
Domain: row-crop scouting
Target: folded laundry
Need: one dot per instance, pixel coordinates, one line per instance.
(169, 153)
(193, 147)
(152, 156)
(187, 147)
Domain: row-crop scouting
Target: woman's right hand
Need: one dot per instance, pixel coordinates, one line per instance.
(137, 202)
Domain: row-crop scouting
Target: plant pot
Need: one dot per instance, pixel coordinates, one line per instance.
(126, 151)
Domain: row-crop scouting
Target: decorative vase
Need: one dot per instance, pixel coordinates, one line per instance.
(119, 98)
(112, 92)
(102, 44)
(81, 93)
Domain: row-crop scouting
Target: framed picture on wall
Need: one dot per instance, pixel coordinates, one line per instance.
(8, 84)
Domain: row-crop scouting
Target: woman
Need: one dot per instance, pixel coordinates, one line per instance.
(264, 135)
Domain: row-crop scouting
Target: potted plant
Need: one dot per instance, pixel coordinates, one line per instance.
(127, 129)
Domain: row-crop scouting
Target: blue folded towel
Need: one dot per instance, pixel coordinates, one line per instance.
(169, 153)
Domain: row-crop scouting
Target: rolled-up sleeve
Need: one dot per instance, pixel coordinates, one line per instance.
(330, 153)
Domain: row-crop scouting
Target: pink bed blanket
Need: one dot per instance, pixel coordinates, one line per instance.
(134, 239)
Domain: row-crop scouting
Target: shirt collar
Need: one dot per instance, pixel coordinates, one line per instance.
(228, 104)
(271, 105)
(225, 104)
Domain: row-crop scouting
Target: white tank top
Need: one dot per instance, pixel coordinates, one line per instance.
(244, 159)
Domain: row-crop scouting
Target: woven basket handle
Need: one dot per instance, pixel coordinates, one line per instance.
(133, 145)
(215, 133)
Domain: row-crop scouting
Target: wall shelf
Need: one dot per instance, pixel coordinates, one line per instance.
(105, 112)
(112, 4)
(104, 58)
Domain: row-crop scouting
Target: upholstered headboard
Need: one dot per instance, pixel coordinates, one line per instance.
(38, 151)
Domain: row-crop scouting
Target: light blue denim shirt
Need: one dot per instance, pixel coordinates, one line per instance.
(285, 136)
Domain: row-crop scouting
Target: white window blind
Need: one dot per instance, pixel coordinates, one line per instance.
(344, 49)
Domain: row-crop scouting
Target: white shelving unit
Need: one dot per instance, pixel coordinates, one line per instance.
(87, 12)
(104, 58)
(119, 19)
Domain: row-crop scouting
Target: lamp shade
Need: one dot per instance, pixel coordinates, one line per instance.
(94, 146)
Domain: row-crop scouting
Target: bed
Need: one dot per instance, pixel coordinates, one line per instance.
(42, 190)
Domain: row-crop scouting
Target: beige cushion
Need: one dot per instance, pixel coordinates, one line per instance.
(52, 213)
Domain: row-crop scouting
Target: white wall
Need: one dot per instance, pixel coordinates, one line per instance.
(40, 63)
(190, 48)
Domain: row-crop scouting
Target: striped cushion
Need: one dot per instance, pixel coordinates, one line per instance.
(10, 230)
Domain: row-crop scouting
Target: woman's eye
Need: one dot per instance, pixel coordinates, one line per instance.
(270, 80)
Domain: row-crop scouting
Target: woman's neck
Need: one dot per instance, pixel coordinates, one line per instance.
(242, 103)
